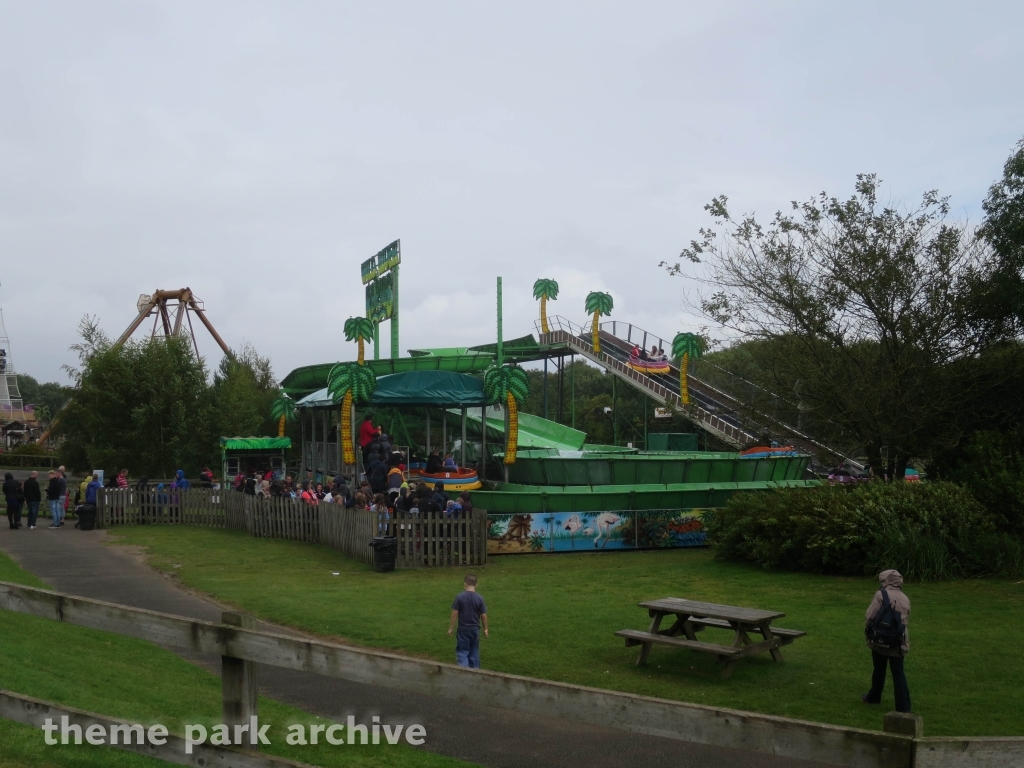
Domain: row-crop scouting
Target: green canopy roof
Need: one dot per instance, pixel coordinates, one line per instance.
(416, 388)
(307, 379)
(255, 443)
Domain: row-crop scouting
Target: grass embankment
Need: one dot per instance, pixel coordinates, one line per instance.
(554, 616)
(135, 680)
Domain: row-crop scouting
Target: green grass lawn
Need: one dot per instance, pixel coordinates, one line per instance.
(554, 616)
(135, 680)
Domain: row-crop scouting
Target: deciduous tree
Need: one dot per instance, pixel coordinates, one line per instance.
(868, 309)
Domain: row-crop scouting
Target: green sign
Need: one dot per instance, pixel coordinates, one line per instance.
(380, 298)
(381, 262)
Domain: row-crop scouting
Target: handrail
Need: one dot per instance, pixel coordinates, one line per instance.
(580, 336)
(731, 433)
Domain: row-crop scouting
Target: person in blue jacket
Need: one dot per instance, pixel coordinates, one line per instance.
(91, 490)
(180, 481)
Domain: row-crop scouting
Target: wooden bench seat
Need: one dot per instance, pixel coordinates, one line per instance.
(639, 637)
(699, 624)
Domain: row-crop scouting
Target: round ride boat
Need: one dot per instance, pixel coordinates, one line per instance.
(460, 479)
(650, 367)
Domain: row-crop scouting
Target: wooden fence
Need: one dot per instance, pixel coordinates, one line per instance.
(750, 731)
(427, 540)
(430, 539)
(130, 506)
(348, 531)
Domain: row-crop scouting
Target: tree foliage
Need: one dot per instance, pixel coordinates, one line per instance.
(144, 405)
(49, 395)
(148, 405)
(1001, 299)
(868, 311)
(244, 391)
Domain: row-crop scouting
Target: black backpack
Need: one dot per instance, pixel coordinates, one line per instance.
(886, 629)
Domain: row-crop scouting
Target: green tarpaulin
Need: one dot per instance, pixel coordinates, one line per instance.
(416, 388)
(255, 443)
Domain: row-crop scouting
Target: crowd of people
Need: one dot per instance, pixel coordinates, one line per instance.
(28, 495)
(383, 489)
(397, 493)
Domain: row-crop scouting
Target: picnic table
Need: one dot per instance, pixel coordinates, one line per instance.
(692, 617)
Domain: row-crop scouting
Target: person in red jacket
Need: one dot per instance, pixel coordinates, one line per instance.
(367, 432)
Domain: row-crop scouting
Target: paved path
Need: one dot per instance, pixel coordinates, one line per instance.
(80, 563)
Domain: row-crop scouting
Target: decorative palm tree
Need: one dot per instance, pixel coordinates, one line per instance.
(685, 346)
(359, 329)
(544, 290)
(350, 382)
(598, 304)
(508, 384)
(282, 409)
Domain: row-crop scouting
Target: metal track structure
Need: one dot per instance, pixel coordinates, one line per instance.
(171, 310)
(11, 405)
(721, 414)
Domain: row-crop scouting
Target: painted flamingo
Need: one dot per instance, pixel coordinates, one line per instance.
(605, 522)
(572, 525)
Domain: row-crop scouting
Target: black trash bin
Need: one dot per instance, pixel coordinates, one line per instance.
(385, 552)
(86, 516)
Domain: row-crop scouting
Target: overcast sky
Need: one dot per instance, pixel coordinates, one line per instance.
(258, 152)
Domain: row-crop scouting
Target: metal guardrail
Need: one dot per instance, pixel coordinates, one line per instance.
(576, 338)
(730, 406)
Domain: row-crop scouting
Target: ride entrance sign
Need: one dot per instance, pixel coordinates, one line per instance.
(380, 298)
(380, 276)
(383, 261)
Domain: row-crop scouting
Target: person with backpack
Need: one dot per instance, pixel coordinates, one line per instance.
(377, 474)
(886, 633)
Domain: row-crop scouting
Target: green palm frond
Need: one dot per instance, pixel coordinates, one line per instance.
(283, 406)
(599, 302)
(351, 377)
(499, 383)
(545, 288)
(687, 344)
(358, 327)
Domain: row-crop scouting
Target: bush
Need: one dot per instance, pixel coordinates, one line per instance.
(992, 468)
(31, 449)
(927, 531)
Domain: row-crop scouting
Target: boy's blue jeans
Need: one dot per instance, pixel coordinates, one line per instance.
(467, 647)
(56, 510)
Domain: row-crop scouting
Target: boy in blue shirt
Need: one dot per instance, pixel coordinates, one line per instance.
(469, 610)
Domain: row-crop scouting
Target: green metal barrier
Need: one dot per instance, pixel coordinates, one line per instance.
(512, 498)
(596, 469)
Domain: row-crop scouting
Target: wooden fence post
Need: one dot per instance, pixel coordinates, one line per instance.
(239, 692)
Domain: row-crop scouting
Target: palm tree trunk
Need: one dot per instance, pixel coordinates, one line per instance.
(596, 333)
(347, 449)
(544, 315)
(280, 426)
(361, 358)
(512, 433)
(684, 384)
